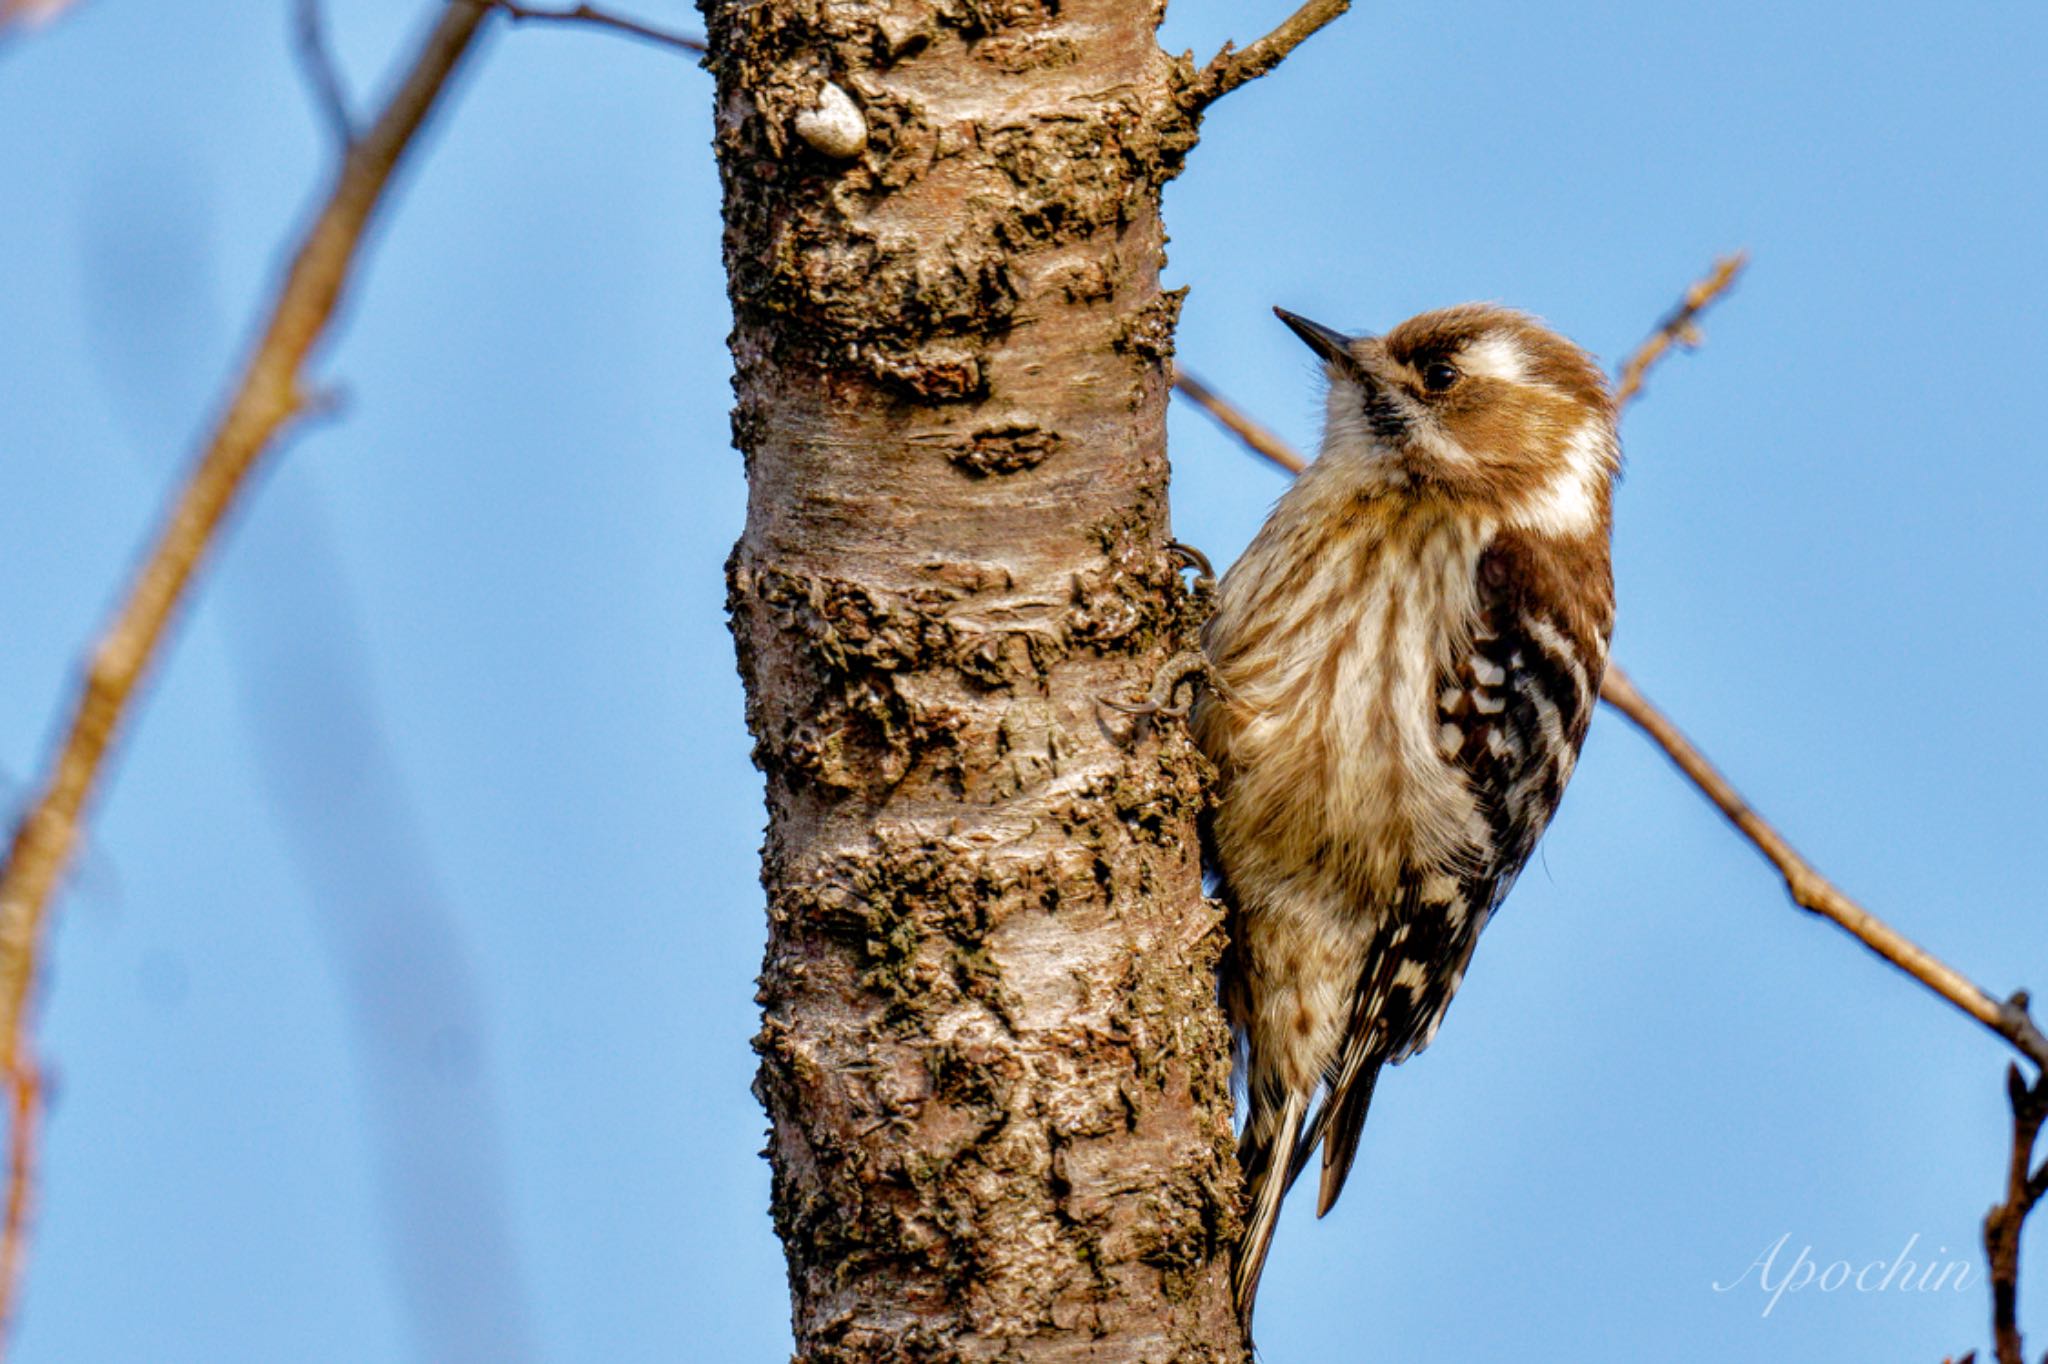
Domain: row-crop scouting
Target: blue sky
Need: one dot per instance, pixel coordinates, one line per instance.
(400, 1005)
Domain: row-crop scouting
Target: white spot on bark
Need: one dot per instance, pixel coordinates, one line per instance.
(835, 126)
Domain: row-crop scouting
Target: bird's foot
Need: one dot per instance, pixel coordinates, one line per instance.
(1189, 671)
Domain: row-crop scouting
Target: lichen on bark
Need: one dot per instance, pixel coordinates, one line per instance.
(990, 1049)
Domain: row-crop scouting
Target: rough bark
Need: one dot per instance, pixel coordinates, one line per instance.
(991, 1053)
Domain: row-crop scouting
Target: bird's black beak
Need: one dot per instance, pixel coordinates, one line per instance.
(1324, 341)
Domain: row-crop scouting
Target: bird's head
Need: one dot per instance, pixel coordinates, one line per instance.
(1477, 405)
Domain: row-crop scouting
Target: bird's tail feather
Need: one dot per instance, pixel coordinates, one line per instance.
(1343, 1118)
(1335, 1126)
(1268, 1158)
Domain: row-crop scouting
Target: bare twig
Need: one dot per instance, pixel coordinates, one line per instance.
(591, 14)
(1231, 68)
(269, 394)
(1812, 891)
(2024, 1185)
(2010, 1019)
(309, 35)
(1809, 889)
(1678, 326)
(1256, 438)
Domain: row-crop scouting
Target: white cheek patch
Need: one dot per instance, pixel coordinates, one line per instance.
(1568, 503)
(1495, 357)
(1430, 439)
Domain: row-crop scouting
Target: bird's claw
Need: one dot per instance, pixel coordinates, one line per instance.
(1189, 670)
(1190, 557)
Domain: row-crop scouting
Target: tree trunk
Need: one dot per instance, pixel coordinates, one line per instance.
(991, 1051)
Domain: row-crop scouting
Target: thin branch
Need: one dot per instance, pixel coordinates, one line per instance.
(1809, 889)
(591, 14)
(1256, 438)
(269, 394)
(2024, 1186)
(309, 33)
(1678, 327)
(1231, 68)
(2010, 1019)
(1814, 892)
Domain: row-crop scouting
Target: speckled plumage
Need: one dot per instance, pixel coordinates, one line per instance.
(1404, 662)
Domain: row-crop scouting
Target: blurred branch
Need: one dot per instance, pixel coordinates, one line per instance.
(1678, 327)
(1231, 68)
(24, 1080)
(591, 14)
(29, 13)
(267, 396)
(1256, 438)
(310, 41)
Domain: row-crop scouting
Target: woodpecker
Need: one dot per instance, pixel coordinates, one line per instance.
(1402, 667)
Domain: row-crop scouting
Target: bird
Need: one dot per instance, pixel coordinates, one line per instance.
(1401, 666)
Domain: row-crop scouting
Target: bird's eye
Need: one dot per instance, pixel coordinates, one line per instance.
(1439, 375)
